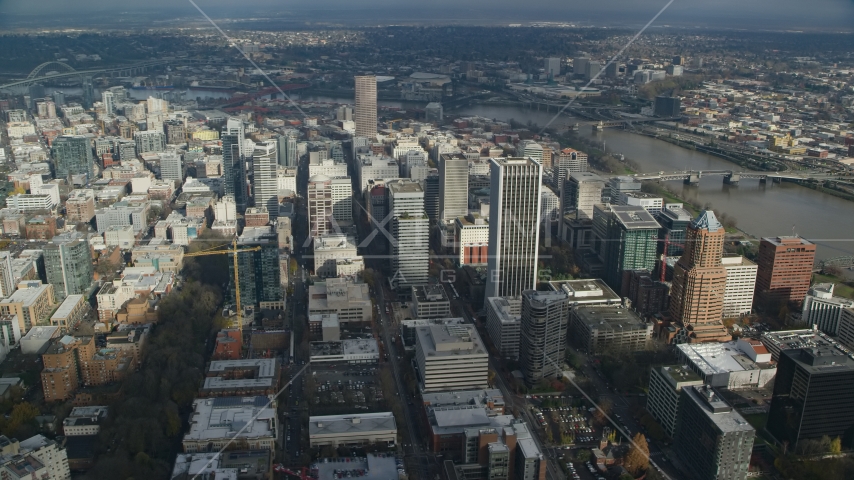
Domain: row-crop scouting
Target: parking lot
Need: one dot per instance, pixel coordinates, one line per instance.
(339, 389)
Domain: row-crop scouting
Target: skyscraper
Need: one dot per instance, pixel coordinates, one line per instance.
(627, 238)
(453, 186)
(109, 101)
(543, 343)
(581, 191)
(552, 67)
(233, 170)
(813, 395)
(785, 271)
(68, 265)
(265, 180)
(569, 161)
(88, 93)
(713, 441)
(7, 278)
(320, 205)
(72, 155)
(258, 272)
(514, 220)
(366, 106)
(410, 228)
(288, 156)
(699, 282)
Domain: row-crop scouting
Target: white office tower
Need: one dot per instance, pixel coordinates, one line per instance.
(288, 156)
(157, 106)
(319, 200)
(514, 218)
(7, 278)
(265, 178)
(569, 161)
(171, 167)
(740, 285)
(549, 206)
(225, 209)
(824, 310)
(366, 106)
(410, 229)
(552, 67)
(109, 101)
(544, 322)
(532, 149)
(453, 186)
(342, 200)
(344, 114)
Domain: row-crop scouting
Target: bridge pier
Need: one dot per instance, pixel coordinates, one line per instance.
(732, 179)
(777, 179)
(763, 180)
(692, 179)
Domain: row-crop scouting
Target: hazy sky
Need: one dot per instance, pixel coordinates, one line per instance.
(761, 14)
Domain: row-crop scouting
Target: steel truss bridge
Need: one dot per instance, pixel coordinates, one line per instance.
(692, 177)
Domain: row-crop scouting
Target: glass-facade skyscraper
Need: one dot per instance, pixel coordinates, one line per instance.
(72, 154)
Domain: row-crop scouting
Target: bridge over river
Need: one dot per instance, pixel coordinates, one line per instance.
(732, 177)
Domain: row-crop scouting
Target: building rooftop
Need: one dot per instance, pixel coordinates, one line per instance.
(27, 296)
(464, 397)
(505, 311)
(787, 240)
(717, 409)
(223, 417)
(634, 217)
(707, 220)
(350, 423)
(542, 299)
(587, 291)
(375, 467)
(41, 332)
(205, 465)
(730, 260)
(449, 340)
(795, 339)
(714, 358)
(609, 318)
(819, 360)
(678, 214)
(429, 293)
(67, 306)
(334, 242)
(679, 373)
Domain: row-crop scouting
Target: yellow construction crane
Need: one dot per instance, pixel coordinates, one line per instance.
(234, 251)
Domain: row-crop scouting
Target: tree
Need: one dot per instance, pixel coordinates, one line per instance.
(836, 446)
(582, 455)
(637, 459)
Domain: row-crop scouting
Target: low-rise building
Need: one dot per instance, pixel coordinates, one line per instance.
(349, 300)
(450, 357)
(352, 429)
(228, 465)
(84, 421)
(233, 378)
(217, 422)
(164, 257)
(430, 301)
(732, 365)
(329, 249)
(355, 351)
(38, 339)
(616, 329)
(121, 236)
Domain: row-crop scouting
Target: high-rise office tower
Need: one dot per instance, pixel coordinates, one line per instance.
(288, 156)
(320, 205)
(514, 220)
(740, 285)
(813, 395)
(530, 149)
(72, 155)
(674, 223)
(171, 167)
(344, 113)
(108, 99)
(342, 200)
(785, 271)
(592, 70)
(544, 322)
(699, 282)
(620, 185)
(233, 169)
(713, 441)
(58, 98)
(453, 186)
(612, 70)
(410, 228)
(258, 273)
(569, 161)
(579, 65)
(627, 238)
(88, 93)
(580, 193)
(265, 180)
(552, 67)
(366, 106)
(68, 265)
(431, 187)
